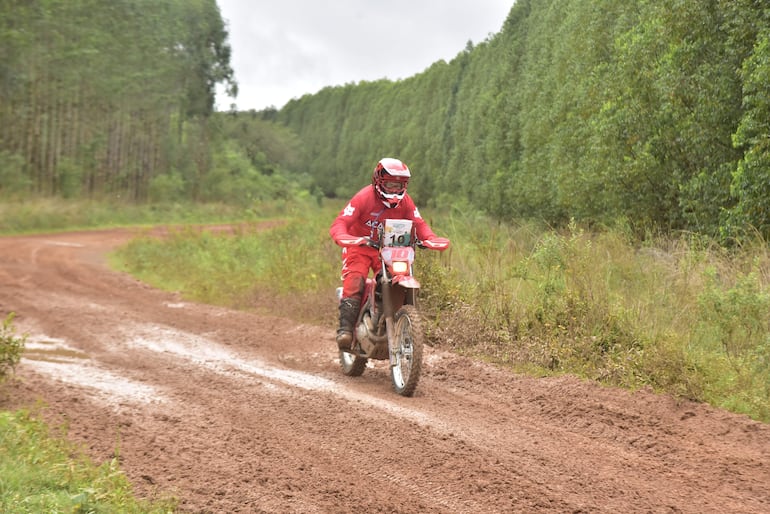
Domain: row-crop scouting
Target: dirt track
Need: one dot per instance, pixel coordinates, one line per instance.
(237, 412)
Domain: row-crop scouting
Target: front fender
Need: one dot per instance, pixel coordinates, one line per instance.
(407, 281)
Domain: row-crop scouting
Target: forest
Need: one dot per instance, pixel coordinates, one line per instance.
(651, 112)
(655, 114)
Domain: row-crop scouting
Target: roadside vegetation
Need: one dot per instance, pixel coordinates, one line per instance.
(41, 472)
(678, 313)
(11, 347)
(55, 214)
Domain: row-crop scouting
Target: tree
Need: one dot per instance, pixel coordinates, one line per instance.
(751, 180)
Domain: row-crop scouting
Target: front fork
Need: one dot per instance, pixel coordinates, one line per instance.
(387, 308)
(393, 297)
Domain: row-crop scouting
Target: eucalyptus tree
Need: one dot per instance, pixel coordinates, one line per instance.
(751, 180)
(648, 111)
(95, 94)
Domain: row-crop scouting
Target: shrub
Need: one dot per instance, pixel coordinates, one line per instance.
(11, 347)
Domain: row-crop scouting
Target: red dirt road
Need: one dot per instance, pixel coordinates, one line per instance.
(238, 412)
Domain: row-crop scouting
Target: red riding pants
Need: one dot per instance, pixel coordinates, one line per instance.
(356, 263)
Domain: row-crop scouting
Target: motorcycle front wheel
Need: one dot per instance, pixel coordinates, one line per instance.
(408, 345)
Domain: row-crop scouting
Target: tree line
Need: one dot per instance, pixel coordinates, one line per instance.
(653, 112)
(105, 98)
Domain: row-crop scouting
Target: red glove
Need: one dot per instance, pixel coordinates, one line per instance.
(436, 243)
(348, 240)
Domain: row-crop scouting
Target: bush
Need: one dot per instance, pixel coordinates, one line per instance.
(11, 347)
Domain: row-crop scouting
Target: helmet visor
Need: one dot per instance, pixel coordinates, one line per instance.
(393, 186)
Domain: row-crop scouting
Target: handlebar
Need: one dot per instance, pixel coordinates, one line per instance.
(438, 243)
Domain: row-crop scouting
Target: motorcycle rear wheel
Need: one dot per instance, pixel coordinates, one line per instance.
(352, 365)
(408, 346)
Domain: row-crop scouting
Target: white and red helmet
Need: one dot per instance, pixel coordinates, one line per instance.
(390, 178)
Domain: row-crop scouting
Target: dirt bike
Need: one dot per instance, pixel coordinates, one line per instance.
(388, 326)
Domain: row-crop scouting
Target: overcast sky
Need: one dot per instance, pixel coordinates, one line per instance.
(283, 49)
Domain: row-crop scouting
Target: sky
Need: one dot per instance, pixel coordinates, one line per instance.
(284, 49)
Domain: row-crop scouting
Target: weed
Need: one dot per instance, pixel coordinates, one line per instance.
(11, 347)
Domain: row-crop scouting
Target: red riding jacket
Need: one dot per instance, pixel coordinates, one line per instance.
(365, 214)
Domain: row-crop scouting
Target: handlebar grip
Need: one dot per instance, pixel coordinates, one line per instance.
(348, 240)
(438, 243)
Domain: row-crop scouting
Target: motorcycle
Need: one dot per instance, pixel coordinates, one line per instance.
(388, 326)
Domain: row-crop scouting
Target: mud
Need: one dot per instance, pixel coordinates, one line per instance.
(233, 411)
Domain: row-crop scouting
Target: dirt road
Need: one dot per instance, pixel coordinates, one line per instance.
(237, 412)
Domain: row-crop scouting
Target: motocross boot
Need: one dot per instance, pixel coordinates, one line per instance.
(348, 314)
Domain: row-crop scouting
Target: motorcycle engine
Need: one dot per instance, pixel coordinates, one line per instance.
(366, 334)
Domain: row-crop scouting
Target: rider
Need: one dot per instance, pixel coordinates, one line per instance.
(359, 222)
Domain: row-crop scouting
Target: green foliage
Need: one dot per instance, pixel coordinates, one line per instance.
(734, 317)
(751, 180)
(650, 111)
(169, 187)
(41, 473)
(284, 262)
(69, 179)
(600, 305)
(733, 326)
(242, 180)
(11, 347)
(575, 109)
(13, 181)
(99, 98)
(34, 215)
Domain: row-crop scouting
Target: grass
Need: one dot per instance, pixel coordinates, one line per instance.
(51, 214)
(677, 314)
(292, 267)
(41, 473)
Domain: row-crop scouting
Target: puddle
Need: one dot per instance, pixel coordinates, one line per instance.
(64, 243)
(109, 387)
(63, 363)
(41, 348)
(209, 354)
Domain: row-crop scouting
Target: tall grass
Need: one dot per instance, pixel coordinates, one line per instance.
(52, 214)
(677, 314)
(42, 473)
(291, 267)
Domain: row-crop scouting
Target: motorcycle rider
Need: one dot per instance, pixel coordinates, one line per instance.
(359, 222)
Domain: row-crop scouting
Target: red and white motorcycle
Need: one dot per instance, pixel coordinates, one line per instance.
(388, 326)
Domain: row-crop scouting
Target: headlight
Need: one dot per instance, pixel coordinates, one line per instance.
(400, 267)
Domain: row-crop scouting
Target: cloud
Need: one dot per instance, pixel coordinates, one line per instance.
(284, 49)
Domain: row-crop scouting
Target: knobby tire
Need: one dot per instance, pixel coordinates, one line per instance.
(409, 341)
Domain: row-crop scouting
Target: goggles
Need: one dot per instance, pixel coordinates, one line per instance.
(393, 186)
